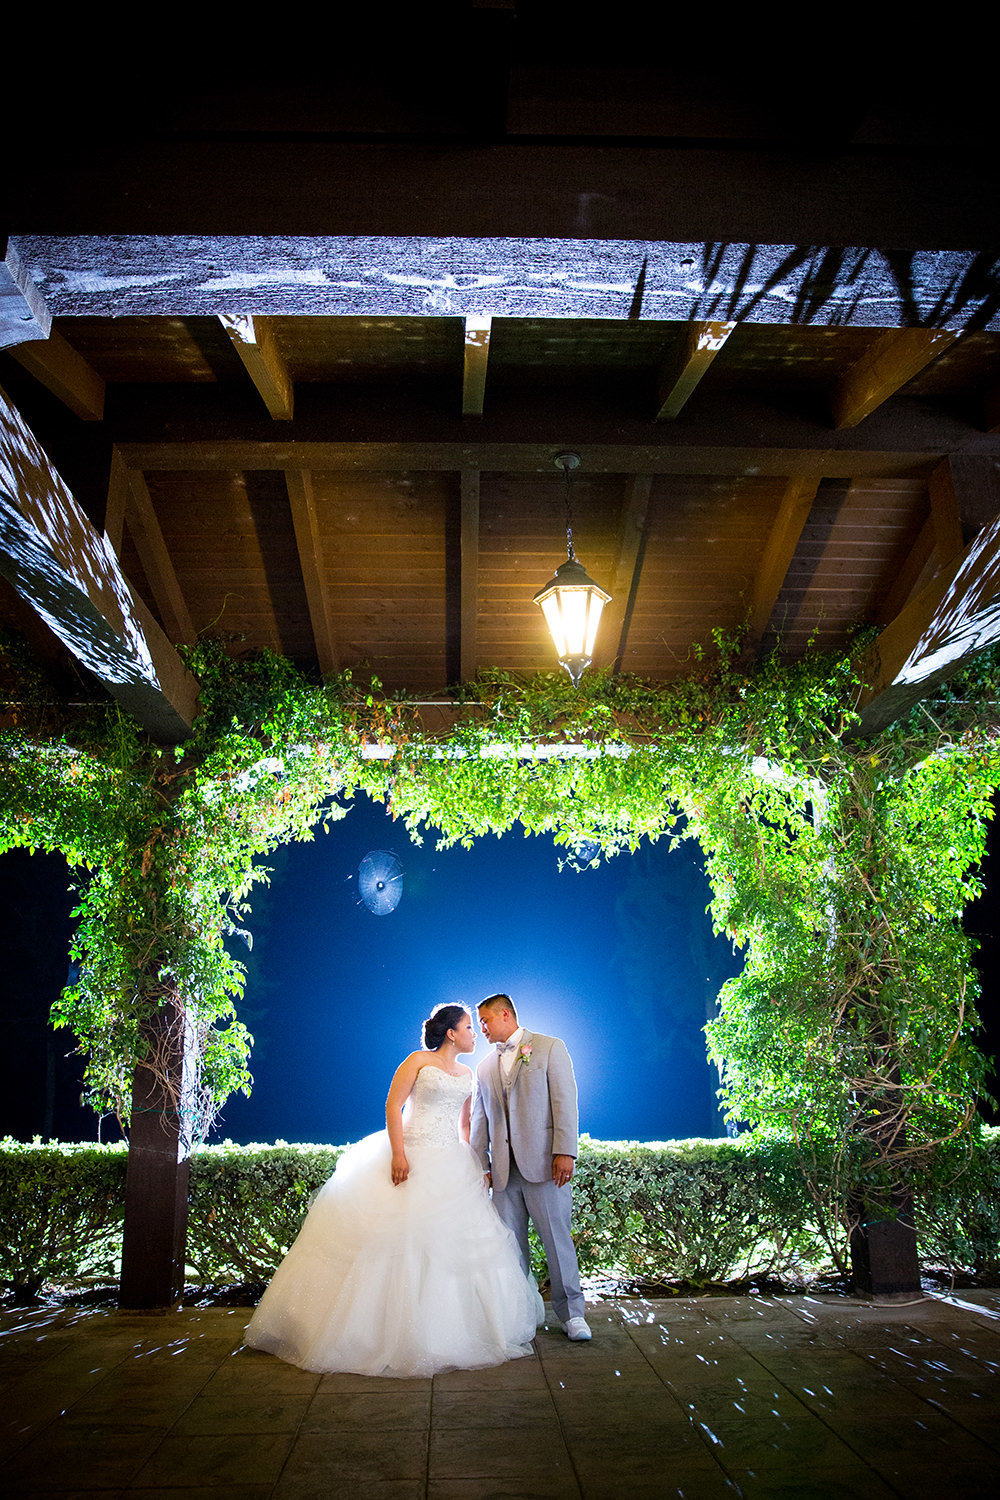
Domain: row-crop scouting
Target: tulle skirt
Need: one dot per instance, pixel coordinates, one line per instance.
(401, 1281)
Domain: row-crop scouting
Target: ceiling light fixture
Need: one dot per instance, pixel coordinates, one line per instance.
(571, 601)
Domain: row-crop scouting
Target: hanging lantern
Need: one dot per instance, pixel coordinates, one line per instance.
(571, 601)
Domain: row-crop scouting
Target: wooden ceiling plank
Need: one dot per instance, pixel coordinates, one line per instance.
(144, 529)
(680, 378)
(469, 604)
(779, 549)
(477, 355)
(617, 617)
(893, 359)
(253, 340)
(305, 521)
(68, 572)
(55, 364)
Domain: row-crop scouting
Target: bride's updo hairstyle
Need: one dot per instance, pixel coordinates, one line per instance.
(438, 1024)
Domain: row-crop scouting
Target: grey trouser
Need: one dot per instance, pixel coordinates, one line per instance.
(549, 1209)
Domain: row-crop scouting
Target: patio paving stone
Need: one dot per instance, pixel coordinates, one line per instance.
(701, 1399)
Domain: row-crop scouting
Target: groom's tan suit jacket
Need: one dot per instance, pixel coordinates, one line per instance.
(541, 1110)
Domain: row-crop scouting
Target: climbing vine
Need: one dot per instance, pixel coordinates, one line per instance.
(840, 866)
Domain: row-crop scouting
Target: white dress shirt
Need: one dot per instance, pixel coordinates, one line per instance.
(508, 1059)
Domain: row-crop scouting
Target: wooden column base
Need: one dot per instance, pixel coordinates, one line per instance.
(884, 1262)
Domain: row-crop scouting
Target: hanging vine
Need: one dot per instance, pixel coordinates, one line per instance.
(841, 867)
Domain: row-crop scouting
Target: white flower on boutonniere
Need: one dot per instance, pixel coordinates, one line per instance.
(524, 1052)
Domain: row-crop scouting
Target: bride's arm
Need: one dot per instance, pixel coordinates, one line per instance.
(399, 1092)
(465, 1119)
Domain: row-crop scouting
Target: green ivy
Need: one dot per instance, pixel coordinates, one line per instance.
(840, 867)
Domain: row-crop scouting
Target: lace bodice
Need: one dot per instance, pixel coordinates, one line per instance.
(430, 1117)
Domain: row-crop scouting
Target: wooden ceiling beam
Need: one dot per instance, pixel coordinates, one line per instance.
(469, 589)
(531, 458)
(57, 366)
(68, 573)
(732, 434)
(253, 340)
(453, 235)
(144, 529)
(305, 520)
(892, 360)
(477, 354)
(779, 549)
(679, 378)
(628, 568)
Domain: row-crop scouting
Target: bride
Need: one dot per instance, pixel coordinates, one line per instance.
(402, 1266)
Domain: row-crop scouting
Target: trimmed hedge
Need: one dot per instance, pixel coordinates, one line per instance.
(61, 1210)
(701, 1212)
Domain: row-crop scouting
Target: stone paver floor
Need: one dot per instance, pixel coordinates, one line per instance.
(692, 1397)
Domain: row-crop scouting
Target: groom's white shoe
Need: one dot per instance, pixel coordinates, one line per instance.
(577, 1330)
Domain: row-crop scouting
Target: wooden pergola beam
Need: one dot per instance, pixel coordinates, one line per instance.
(732, 434)
(55, 364)
(885, 368)
(628, 567)
(679, 379)
(469, 587)
(305, 521)
(476, 361)
(779, 549)
(253, 340)
(68, 572)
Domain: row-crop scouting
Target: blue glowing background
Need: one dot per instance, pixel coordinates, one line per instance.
(619, 960)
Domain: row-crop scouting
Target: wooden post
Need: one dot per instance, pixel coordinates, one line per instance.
(156, 1184)
(884, 1263)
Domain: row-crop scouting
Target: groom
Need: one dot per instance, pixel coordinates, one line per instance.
(524, 1131)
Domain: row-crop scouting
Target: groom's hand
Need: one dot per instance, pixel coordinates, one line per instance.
(562, 1170)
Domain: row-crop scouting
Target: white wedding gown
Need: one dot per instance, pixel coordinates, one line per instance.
(405, 1280)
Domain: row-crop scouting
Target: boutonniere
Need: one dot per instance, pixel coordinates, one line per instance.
(524, 1052)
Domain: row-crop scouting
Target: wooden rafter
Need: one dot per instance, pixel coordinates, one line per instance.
(477, 355)
(915, 572)
(144, 529)
(893, 359)
(783, 538)
(253, 340)
(469, 606)
(965, 494)
(56, 364)
(628, 566)
(68, 573)
(119, 493)
(679, 379)
(991, 404)
(302, 500)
